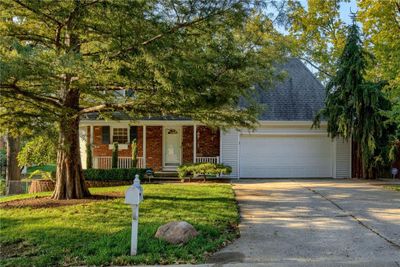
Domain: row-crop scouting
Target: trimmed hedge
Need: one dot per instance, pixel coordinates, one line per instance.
(113, 174)
(203, 169)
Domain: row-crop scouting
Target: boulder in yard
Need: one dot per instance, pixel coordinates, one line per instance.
(176, 232)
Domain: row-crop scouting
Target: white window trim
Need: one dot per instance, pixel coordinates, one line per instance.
(120, 146)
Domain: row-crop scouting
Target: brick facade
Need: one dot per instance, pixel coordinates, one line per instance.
(154, 147)
(208, 142)
(187, 144)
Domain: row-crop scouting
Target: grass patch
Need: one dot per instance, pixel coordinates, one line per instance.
(98, 233)
(45, 168)
(393, 187)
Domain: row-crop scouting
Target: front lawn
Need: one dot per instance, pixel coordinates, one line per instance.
(394, 187)
(98, 232)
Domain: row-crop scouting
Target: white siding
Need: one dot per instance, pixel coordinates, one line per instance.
(229, 150)
(343, 159)
(285, 156)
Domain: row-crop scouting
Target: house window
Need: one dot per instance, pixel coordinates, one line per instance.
(120, 135)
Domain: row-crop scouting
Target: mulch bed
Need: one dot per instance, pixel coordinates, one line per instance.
(47, 202)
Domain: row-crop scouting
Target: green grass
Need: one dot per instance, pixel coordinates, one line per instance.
(98, 233)
(47, 168)
(393, 187)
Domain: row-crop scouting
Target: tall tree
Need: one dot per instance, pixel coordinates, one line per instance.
(317, 33)
(13, 173)
(60, 60)
(354, 107)
(381, 25)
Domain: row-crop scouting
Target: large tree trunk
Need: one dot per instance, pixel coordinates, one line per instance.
(357, 166)
(70, 182)
(13, 175)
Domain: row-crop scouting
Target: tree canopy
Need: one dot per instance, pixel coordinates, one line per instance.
(192, 59)
(355, 107)
(60, 60)
(318, 36)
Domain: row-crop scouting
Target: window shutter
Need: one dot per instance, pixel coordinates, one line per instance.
(105, 134)
(133, 133)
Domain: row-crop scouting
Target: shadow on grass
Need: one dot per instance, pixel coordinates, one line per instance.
(50, 246)
(199, 199)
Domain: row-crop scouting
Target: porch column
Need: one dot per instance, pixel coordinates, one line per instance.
(194, 142)
(144, 146)
(91, 134)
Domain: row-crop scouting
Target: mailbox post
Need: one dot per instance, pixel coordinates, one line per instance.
(133, 196)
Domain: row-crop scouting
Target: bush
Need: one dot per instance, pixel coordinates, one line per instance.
(114, 159)
(89, 157)
(203, 169)
(113, 174)
(3, 157)
(134, 153)
(2, 187)
(45, 175)
(41, 150)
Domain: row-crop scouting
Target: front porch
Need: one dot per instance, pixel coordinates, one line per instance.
(160, 147)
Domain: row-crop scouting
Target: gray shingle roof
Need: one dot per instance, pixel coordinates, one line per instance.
(296, 98)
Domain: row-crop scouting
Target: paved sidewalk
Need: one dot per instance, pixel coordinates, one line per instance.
(314, 223)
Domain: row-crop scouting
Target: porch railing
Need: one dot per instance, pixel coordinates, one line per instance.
(123, 162)
(214, 160)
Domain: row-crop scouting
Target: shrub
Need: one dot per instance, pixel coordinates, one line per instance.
(89, 157)
(45, 175)
(203, 169)
(2, 187)
(113, 174)
(114, 159)
(41, 150)
(3, 157)
(134, 153)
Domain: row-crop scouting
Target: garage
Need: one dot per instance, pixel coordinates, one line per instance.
(285, 156)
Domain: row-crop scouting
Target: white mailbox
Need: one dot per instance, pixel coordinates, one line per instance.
(134, 194)
(133, 197)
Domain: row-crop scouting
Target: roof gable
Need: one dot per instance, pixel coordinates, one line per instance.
(297, 98)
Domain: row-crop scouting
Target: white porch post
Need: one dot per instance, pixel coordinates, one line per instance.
(91, 134)
(144, 146)
(194, 142)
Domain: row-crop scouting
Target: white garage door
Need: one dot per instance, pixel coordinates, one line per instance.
(266, 156)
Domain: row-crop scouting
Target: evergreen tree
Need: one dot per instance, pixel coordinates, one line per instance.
(114, 158)
(134, 153)
(355, 108)
(89, 156)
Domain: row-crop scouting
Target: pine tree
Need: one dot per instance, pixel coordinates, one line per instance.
(355, 108)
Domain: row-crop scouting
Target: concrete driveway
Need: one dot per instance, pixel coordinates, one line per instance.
(314, 223)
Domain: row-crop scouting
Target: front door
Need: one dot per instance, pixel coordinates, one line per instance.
(172, 147)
